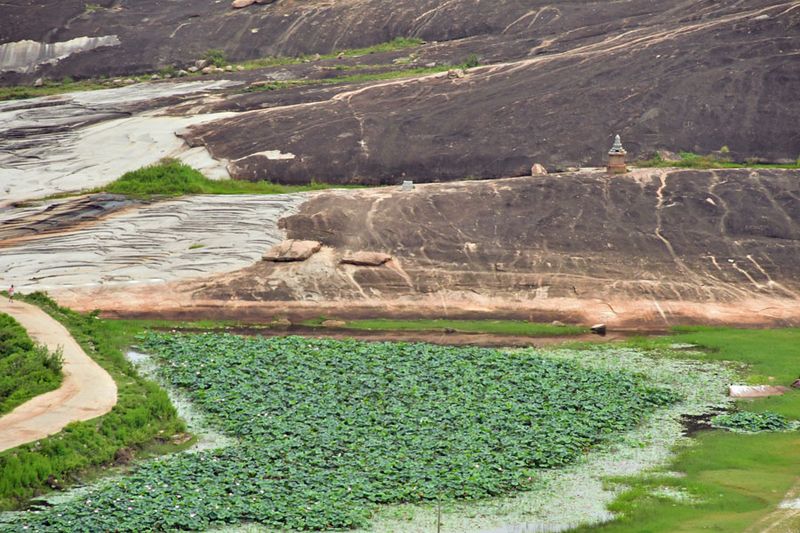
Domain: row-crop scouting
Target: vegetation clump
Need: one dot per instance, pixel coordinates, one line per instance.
(26, 370)
(750, 422)
(721, 160)
(329, 429)
(170, 177)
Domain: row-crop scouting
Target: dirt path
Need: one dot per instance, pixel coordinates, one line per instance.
(785, 518)
(87, 391)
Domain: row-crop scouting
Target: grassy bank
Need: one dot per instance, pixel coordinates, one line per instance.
(26, 370)
(497, 327)
(170, 177)
(692, 160)
(143, 415)
(732, 480)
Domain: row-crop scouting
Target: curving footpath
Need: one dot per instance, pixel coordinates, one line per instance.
(87, 390)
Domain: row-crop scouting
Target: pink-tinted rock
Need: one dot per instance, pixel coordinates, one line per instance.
(756, 391)
(292, 250)
(366, 258)
(237, 4)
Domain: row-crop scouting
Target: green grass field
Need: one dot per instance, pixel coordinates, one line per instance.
(734, 479)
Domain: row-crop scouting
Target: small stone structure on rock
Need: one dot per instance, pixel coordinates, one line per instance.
(292, 250)
(616, 158)
(408, 186)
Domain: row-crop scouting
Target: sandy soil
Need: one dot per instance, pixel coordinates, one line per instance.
(87, 391)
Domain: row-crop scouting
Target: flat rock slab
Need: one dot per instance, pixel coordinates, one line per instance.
(86, 392)
(162, 242)
(292, 250)
(366, 258)
(756, 391)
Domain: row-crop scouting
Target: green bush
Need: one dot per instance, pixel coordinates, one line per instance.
(216, 57)
(472, 61)
(26, 370)
(751, 422)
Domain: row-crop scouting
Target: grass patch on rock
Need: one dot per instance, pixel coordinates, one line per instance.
(26, 369)
(692, 160)
(329, 430)
(143, 415)
(170, 177)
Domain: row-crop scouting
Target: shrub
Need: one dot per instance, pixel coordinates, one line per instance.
(750, 422)
(216, 57)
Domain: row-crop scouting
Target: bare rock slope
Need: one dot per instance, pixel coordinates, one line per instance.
(559, 79)
(650, 248)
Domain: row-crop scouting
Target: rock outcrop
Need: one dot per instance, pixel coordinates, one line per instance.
(292, 250)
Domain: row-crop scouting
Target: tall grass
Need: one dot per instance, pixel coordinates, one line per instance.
(26, 369)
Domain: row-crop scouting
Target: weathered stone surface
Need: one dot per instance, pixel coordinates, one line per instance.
(556, 76)
(74, 245)
(756, 391)
(645, 248)
(50, 144)
(292, 250)
(363, 258)
(334, 324)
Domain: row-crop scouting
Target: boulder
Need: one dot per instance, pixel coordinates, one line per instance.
(599, 329)
(456, 73)
(538, 170)
(39, 82)
(334, 324)
(182, 73)
(201, 63)
(238, 4)
(292, 250)
(366, 258)
(280, 323)
(193, 69)
(756, 391)
(207, 70)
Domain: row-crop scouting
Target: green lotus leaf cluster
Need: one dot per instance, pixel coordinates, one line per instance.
(327, 430)
(751, 422)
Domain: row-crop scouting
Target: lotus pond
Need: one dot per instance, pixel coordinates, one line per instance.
(326, 431)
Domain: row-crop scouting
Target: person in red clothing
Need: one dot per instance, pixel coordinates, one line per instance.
(11, 293)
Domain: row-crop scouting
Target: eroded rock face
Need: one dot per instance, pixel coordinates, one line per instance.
(663, 239)
(26, 56)
(556, 106)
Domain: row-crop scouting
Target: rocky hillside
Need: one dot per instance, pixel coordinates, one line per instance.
(557, 80)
